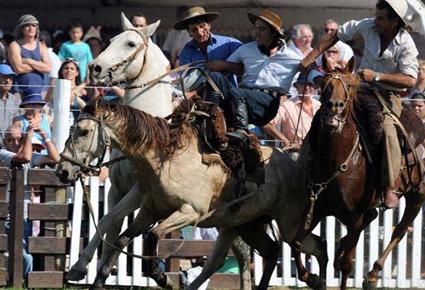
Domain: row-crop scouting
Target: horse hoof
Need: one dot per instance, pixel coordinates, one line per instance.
(368, 285)
(316, 282)
(75, 274)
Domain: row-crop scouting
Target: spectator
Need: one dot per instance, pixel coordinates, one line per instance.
(94, 40)
(176, 40)
(10, 102)
(28, 57)
(77, 49)
(418, 104)
(70, 70)
(420, 83)
(301, 37)
(33, 117)
(294, 117)
(204, 46)
(55, 62)
(345, 52)
(139, 21)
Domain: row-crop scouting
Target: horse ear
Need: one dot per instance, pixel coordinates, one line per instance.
(150, 29)
(125, 23)
(350, 65)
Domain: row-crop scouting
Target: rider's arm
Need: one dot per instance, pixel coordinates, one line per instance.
(225, 66)
(271, 130)
(324, 43)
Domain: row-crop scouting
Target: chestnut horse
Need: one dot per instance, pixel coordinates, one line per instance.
(342, 183)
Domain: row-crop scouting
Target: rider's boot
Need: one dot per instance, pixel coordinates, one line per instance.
(240, 122)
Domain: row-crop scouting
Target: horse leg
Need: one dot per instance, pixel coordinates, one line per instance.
(186, 215)
(317, 246)
(129, 203)
(414, 202)
(114, 230)
(141, 223)
(223, 243)
(255, 234)
(243, 255)
(312, 280)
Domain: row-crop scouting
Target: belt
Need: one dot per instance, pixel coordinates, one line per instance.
(272, 92)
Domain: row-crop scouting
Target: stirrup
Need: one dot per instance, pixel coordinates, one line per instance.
(240, 136)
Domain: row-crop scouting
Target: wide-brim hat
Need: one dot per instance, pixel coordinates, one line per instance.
(270, 17)
(400, 7)
(193, 14)
(32, 99)
(23, 20)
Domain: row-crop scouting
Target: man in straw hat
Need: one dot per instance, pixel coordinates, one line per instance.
(204, 46)
(390, 65)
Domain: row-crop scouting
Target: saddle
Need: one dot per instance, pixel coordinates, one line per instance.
(209, 121)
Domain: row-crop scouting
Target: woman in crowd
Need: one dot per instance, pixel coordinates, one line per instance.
(27, 56)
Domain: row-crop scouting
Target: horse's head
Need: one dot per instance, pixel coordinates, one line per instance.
(337, 94)
(123, 60)
(87, 141)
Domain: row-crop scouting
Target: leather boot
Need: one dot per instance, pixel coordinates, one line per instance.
(240, 122)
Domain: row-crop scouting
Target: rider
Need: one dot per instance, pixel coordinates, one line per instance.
(390, 65)
(204, 46)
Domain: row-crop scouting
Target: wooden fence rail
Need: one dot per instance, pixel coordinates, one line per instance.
(51, 249)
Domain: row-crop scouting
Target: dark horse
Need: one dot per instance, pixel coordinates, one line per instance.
(342, 183)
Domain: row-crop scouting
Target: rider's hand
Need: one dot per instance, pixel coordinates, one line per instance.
(216, 65)
(367, 75)
(306, 63)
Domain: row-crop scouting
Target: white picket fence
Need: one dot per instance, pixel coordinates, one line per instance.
(402, 268)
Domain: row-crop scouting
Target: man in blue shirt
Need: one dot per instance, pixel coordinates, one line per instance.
(204, 45)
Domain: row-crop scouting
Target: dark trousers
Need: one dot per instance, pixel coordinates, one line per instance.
(262, 107)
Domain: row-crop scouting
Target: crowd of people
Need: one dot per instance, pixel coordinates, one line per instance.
(260, 80)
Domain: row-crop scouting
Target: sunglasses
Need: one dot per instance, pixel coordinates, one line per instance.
(330, 29)
(332, 51)
(70, 59)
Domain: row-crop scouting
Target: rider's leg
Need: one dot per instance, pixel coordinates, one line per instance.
(392, 155)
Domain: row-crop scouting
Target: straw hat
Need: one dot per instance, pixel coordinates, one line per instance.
(195, 13)
(270, 17)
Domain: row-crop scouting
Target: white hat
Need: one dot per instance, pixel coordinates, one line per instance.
(400, 7)
(415, 16)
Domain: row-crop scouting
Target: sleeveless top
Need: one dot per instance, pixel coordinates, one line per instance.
(34, 77)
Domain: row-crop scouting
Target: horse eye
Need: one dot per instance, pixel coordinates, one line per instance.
(131, 44)
(84, 132)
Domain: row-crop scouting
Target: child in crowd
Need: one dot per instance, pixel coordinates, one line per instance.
(77, 49)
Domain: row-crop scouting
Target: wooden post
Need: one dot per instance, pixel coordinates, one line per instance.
(17, 228)
(60, 197)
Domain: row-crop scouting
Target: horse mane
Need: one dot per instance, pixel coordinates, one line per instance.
(139, 131)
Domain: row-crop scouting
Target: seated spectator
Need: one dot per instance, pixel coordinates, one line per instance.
(294, 117)
(77, 49)
(418, 104)
(34, 117)
(28, 57)
(18, 151)
(139, 20)
(9, 102)
(420, 82)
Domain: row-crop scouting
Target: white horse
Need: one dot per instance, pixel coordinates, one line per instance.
(132, 58)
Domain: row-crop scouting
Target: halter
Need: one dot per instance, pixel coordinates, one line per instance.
(131, 57)
(339, 117)
(105, 142)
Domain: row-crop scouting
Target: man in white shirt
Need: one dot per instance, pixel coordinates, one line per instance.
(390, 65)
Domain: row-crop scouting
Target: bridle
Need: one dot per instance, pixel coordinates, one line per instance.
(105, 141)
(341, 117)
(144, 45)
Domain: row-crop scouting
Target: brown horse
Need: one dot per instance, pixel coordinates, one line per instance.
(342, 183)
